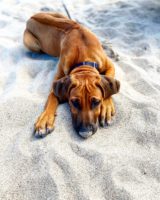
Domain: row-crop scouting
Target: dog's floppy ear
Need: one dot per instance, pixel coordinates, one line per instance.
(62, 87)
(109, 86)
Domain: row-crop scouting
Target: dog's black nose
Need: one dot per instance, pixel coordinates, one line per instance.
(86, 131)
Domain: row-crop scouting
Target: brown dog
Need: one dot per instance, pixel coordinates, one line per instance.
(85, 75)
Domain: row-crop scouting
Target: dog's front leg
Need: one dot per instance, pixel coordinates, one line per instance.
(107, 108)
(45, 122)
(107, 111)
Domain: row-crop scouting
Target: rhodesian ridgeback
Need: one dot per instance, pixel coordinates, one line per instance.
(84, 78)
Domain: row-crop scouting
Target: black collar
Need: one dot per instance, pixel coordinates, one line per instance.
(92, 64)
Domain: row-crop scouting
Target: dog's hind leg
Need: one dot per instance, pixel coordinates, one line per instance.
(31, 42)
(58, 15)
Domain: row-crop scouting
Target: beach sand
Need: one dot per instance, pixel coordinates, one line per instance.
(119, 162)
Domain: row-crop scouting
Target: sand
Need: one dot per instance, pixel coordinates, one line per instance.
(121, 161)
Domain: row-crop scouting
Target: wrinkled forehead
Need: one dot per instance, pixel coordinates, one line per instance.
(86, 85)
(90, 76)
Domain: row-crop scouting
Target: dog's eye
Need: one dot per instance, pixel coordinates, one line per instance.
(76, 103)
(95, 102)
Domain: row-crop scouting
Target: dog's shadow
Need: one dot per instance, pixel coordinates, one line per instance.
(40, 56)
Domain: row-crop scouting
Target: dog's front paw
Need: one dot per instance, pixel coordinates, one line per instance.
(44, 125)
(107, 111)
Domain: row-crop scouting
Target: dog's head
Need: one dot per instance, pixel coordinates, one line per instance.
(85, 92)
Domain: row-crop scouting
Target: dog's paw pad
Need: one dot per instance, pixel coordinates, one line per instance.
(49, 130)
(110, 122)
(41, 133)
(102, 122)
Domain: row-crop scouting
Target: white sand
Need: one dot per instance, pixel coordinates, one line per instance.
(120, 162)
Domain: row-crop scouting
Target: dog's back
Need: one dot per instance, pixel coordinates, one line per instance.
(52, 29)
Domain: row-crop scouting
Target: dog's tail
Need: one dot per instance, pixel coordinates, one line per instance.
(62, 23)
